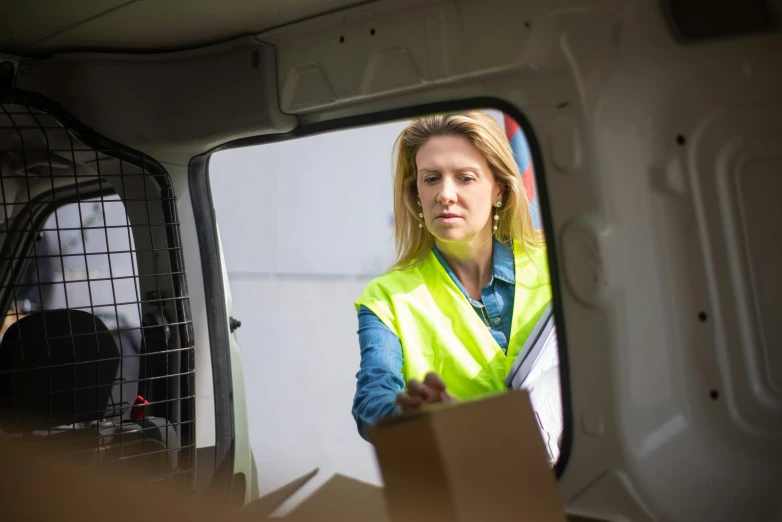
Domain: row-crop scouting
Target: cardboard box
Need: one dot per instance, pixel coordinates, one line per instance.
(481, 460)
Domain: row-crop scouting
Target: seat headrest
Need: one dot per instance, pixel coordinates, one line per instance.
(57, 367)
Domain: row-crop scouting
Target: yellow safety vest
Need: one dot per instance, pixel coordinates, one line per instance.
(440, 330)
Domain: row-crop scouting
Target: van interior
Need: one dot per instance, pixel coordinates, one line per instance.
(156, 159)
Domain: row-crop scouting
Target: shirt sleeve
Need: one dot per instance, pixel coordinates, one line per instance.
(379, 378)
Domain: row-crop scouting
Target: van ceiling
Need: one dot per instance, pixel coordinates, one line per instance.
(30, 29)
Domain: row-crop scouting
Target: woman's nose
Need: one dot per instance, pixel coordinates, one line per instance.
(448, 193)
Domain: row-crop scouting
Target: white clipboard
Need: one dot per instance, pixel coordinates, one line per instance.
(536, 369)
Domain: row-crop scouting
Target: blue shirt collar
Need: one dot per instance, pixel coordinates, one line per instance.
(502, 263)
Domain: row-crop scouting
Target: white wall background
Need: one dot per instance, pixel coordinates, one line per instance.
(305, 224)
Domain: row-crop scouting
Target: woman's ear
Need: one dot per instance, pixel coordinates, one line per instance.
(499, 193)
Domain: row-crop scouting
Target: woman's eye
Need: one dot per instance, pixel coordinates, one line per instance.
(430, 179)
(468, 178)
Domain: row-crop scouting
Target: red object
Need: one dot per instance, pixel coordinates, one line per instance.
(511, 126)
(518, 143)
(137, 411)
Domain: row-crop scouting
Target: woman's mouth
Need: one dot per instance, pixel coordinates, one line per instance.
(447, 218)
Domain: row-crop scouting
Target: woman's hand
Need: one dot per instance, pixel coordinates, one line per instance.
(420, 394)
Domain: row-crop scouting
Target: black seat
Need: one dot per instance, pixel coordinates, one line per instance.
(56, 368)
(59, 368)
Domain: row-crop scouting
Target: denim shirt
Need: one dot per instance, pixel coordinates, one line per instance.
(379, 378)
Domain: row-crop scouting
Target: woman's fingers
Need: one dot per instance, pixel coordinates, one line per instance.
(445, 397)
(420, 390)
(433, 381)
(408, 403)
(418, 393)
(436, 384)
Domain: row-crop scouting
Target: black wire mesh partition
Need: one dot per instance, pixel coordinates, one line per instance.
(96, 344)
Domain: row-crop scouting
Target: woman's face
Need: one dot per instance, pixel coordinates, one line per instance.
(456, 188)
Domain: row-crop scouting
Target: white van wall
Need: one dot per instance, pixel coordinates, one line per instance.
(305, 225)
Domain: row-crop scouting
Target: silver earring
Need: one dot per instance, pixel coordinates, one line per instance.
(499, 204)
(419, 202)
(496, 217)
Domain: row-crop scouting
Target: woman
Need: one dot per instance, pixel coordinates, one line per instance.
(471, 276)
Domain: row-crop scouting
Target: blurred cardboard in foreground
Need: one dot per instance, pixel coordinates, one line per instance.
(481, 461)
(39, 484)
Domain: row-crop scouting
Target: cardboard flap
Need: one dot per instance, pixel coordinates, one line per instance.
(265, 506)
(343, 499)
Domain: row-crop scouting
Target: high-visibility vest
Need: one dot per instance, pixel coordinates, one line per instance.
(441, 332)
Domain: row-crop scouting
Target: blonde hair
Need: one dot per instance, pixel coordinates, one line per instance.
(515, 222)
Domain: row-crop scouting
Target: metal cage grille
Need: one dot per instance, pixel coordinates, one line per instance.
(96, 345)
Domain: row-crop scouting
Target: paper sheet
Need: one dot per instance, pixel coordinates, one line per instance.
(545, 394)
